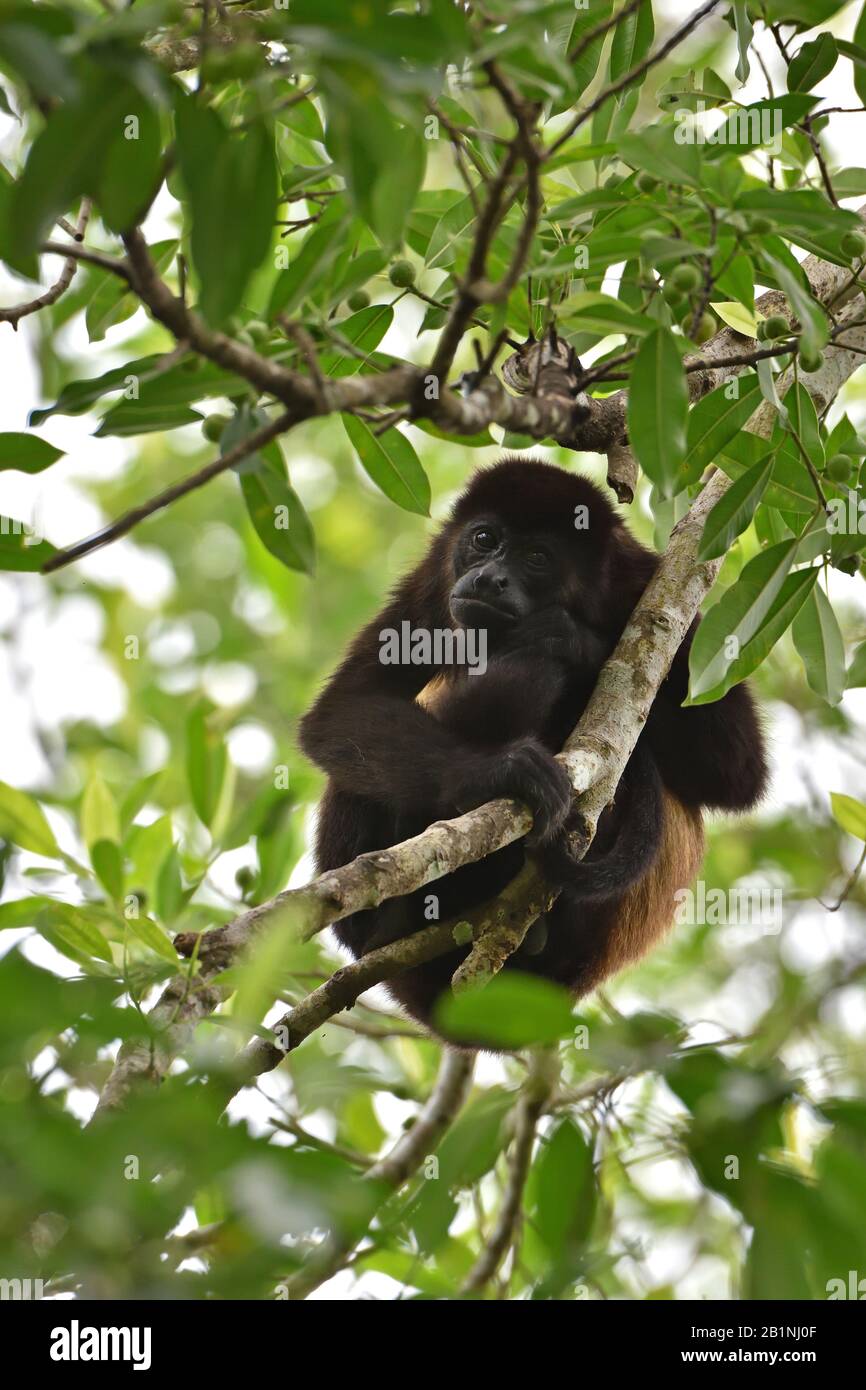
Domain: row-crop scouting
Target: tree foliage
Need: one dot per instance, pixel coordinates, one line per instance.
(301, 246)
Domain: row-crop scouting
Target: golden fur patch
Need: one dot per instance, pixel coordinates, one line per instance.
(647, 909)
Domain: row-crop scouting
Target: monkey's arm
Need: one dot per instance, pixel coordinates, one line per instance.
(708, 755)
(529, 671)
(372, 738)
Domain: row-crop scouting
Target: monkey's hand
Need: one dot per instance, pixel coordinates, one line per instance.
(553, 635)
(523, 770)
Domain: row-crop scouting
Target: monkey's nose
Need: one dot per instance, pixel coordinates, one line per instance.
(490, 581)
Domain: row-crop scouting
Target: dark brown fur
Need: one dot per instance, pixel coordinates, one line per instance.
(405, 745)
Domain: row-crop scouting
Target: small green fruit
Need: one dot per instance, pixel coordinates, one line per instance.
(810, 361)
(358, 299)
(402, 275)
(646, 182)
(760, 225)
(672, 296)
(706, 329)
(776, 326)
(213, 426)
(245, 878)
(258, 331)
(853, 245)
(761, 331)
(839, 468)
(686, 278)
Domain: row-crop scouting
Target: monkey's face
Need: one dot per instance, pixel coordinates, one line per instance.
(503, 575)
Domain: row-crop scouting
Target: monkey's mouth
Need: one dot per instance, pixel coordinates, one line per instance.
(477, 612)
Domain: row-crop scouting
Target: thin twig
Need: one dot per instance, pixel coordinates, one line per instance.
(17, 312)
(257, 440)
(630, 77)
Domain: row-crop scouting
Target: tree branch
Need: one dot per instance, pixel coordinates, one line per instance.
(257, 440)
(17, 312)
(405, 1158)
(537, 1091)
(633, 75)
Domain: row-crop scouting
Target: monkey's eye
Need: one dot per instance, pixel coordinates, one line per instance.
(538, 559)
(484, 539)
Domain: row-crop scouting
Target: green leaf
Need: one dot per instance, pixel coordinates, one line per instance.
(601, 313)
(802, 215)
(231, 178)
(112, 303)
(21, 912)
(807, 13)
(814, 327)
(152, 936)
(860, 44)
(564, 1181)
(206, 761)
(27, 452)
(107, 861)
(750, 127)
(585, 66)
(803, 419)
(365, 330)
(22, 821)
(812, 63)
(736, 316)
(274, 508)
(170, 894)
(631, 40)
(738, 631)
(383, 162)
(392, 463)
(818, 640)
(71, 930)
(99, 818)
(658, 410)
(511, 1011)
(857, 670)
(129, 418)
(744, 31)
(67, 159)
(849, 813)
(131, 171)
(715, 420)
(279, 519)
(734, 511)
(306, 270)
(657, 150)
(452, 229)
(18, 549)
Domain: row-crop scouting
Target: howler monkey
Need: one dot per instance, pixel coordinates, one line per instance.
(537, 560)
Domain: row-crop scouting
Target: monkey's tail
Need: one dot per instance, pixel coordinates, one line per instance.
(640, 803)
